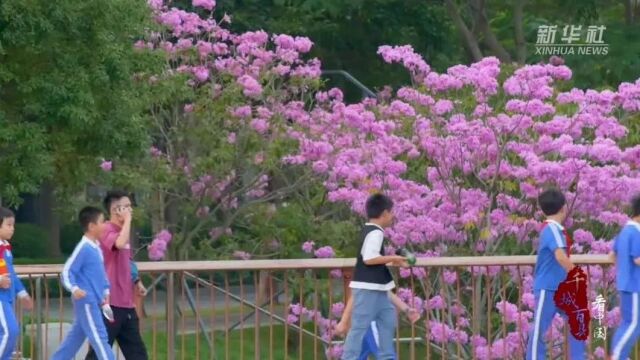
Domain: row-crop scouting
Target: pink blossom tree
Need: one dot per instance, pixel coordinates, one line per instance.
(464, 155)
(239, 123)
(217, 129)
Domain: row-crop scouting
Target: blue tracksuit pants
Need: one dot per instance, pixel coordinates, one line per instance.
(370, 343)
(9, 330)
(87, 324)
(627, 334)
(542, 317)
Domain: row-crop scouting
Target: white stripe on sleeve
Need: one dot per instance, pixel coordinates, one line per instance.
(66, 277)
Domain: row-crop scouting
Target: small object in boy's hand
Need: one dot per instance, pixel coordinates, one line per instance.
(411, 257)
(108, 312)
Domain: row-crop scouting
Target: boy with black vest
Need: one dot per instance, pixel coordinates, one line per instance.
(372, 283)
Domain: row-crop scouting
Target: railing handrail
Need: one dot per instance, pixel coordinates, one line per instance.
(303, 264)
(365, 90)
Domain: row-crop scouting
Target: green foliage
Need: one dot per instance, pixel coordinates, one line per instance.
(66, 70)
(70, 235)
(23, 163)
(589, 71)
(623, 59)
(29, 241)
(38, 261)
(278, 232)
(347, 34)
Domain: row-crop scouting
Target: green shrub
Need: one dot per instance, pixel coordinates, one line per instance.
(38, 261)
(70, 235)
(30, 241)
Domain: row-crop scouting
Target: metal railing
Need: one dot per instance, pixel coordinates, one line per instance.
(243, 309)
(366, 92)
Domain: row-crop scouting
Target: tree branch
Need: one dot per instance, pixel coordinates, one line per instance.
(471, 42)
(628, 11)
(518, 23)
(490, 39)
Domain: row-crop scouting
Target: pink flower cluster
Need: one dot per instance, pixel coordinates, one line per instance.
(159, 245)
(308, 246)
(325, 252)
(481, 166)
(254, 72)
(205, 4)
(298, 314)
(462, 153)
(106, 166)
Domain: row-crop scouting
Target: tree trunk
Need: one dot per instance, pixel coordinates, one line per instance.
(490, 39)
(518, 23)
(635, 10)
(157, 211)
(171, 220)
(267, 286)
(628, 11)
(471, 43)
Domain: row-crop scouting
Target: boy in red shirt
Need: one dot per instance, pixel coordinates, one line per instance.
(116, 250)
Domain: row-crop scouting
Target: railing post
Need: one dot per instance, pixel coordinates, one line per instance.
(171, 308)
(257, 301)
(38, 311)
(347, 274)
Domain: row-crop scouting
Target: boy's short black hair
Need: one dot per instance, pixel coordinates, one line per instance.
(635, 206)
(5, 214)
(551, 201)
(114, 195)
(88, 215)
(377, 204)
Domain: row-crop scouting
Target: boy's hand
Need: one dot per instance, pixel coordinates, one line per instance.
(125, 213)
(341, 329)
(79, 294)
(142, 291)
(400, 261)
(413, 315)
(26, 302)
(5, 281)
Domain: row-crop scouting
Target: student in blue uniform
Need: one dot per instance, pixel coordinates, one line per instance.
(371, 343)
(552, 266)
(10, 286)
(626, 255)
(84, 276)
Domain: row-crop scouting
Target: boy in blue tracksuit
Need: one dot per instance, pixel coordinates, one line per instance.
(370, 342)
(10, 286)
(84, 276)
(552, 266)
(626, 255)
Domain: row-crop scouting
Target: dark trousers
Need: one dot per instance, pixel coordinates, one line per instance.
(126, 330)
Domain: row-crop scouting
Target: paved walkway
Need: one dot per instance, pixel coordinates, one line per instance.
(212, 308)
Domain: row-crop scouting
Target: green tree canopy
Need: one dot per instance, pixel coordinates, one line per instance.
(66, 88)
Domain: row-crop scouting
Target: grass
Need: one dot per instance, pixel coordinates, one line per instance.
(206, 313)
(239, 345)
(273, 345)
